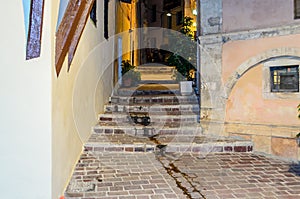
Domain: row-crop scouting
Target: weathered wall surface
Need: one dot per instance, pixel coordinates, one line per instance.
(271, 124)
(235, 95)
(236, 52)
(78, 96)
(252, 14)
(211, 16)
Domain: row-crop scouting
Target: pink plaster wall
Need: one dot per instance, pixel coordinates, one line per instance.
(252, 14)
(237, 52)
(246, 103)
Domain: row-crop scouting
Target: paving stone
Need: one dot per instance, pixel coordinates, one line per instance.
(120, 160)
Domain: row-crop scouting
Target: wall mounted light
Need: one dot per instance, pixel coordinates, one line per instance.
(195, 12)
(169, 14)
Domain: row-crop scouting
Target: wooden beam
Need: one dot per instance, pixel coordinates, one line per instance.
(79, 30)
(33, 47)
(66, 31)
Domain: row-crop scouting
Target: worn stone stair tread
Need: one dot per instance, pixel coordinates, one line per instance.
(152, 125)
(174, 143)
(157, 126)
(138, 130)
(136, 92)
(163, 115)
(154, 99)
(152, 107)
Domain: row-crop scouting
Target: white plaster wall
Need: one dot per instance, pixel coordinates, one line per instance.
(25, 104)
(79, 95)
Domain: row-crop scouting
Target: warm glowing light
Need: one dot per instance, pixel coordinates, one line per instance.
(194, 24)
(194, 12)
(169, 14)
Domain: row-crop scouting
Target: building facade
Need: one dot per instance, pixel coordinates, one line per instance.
(250, 57)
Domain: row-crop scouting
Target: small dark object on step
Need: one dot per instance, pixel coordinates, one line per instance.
(161, 146)
(141, 119)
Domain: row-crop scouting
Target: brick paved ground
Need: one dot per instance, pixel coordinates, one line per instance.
(241, 175)
(121, 176)
(217, 176)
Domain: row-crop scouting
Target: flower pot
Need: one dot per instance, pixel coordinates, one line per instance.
(186, 87)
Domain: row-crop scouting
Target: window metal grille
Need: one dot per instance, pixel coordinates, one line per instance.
(285, 79)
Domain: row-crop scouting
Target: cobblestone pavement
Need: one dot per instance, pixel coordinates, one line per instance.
(216, 176)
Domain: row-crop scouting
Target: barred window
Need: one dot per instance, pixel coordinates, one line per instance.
(297, 9)
(285, 78)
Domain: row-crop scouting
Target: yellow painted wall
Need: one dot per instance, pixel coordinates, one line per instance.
(78, 96)
(126, 20)
(25, 104)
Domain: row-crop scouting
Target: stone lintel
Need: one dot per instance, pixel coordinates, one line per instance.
(250, 34)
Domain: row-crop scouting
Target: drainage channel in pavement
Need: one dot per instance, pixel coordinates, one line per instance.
(182, 180)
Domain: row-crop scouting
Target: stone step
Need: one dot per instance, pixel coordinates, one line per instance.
(169, 99)
(167, 143)
(156, 109)
(152, 129)
(135, 91)
(156, 69)
(156, 81)
(125, 118)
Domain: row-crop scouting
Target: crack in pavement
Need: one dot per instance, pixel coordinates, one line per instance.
(181, 179)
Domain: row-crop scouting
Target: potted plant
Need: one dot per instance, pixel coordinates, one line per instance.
(185, 69)
(298, 135)
(130, 77)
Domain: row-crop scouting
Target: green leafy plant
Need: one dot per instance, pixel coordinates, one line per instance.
(184, 66)
(130, 74)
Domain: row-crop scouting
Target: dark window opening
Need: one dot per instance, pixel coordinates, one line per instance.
(179, 18)
(297, 9)
(106, 19)
(285, 79)
(93, 13)
(153, 17)
(169, 22)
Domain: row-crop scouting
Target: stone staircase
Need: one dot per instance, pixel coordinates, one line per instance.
(122, 151)
(174, 126)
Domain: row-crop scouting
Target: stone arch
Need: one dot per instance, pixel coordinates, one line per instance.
(254, 61)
